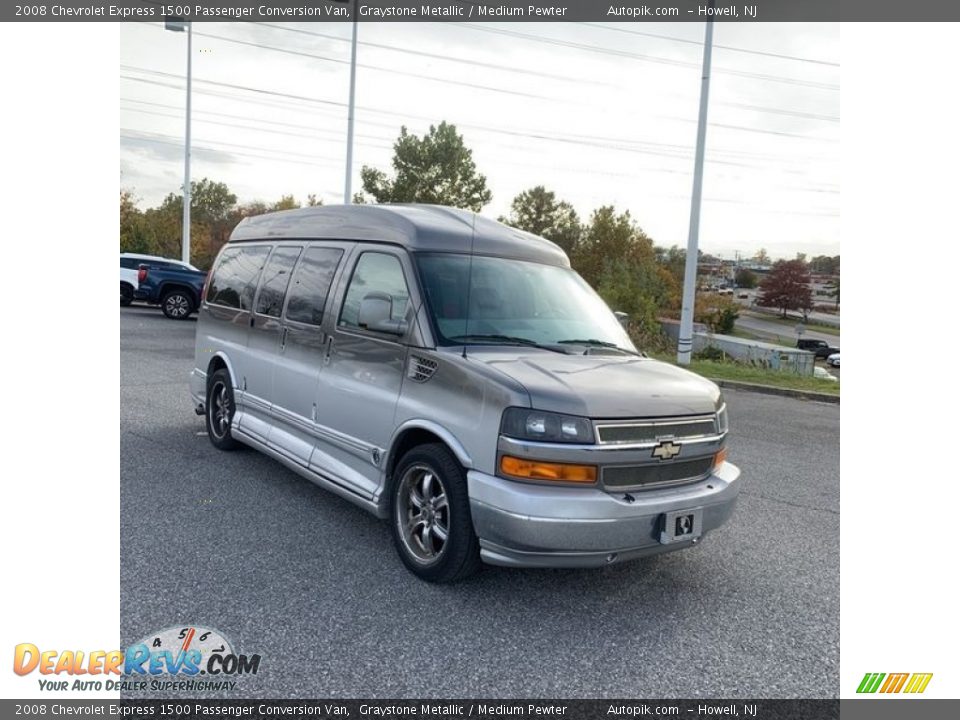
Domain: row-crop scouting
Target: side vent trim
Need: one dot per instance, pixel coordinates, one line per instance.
(420, 368)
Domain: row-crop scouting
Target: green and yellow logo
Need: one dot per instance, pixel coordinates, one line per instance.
(894, 682)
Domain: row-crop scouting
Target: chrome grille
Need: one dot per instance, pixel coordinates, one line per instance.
(637, 476)
(652, 431)
(420, 369)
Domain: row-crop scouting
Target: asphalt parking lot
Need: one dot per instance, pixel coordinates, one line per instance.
(236, 542)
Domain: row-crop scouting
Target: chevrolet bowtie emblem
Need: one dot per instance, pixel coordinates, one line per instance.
(666, 450)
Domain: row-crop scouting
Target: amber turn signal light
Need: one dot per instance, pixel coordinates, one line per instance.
(720, 458)
(537, 470)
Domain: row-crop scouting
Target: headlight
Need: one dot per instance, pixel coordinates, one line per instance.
(525, 424)
(722, 425)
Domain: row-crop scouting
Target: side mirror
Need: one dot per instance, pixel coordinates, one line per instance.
(623, 318)
(375, 311)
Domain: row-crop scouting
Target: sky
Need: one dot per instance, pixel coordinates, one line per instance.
(599, 113)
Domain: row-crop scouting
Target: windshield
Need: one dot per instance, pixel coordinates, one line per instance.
(504, 300)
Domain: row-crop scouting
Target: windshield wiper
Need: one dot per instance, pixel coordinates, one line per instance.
(592, 342)
(507, 340)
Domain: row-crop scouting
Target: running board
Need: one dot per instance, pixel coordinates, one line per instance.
(305, 472)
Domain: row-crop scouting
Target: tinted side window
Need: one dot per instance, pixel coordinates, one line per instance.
(311, 283)
(375, 272)
(131, 263)
(235, 279)
(274, 281)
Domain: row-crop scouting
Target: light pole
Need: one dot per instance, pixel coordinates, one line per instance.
(685, 342)
(347, 184)
(180, 26)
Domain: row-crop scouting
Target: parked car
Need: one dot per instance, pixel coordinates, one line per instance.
(173, 285)
(455, 375)
(820, 348)
(834, 360)
(129, 270)
(824, 374)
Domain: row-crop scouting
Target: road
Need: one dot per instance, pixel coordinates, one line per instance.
(236, 542)
(786, 333)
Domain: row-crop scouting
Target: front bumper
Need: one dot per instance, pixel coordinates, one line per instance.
(529, 525)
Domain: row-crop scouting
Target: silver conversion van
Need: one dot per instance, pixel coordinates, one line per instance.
(455, 375)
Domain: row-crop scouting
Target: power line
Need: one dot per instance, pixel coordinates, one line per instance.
(646, 58)
(699, 43)
(275, 93)
(443, 57)
(745, 106)
(659, 169)
(668, 151)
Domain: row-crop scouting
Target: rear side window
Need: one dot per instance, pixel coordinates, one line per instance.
(235, 279)
(375, 273)
(131, 263)
(274, 281)
(311, 283)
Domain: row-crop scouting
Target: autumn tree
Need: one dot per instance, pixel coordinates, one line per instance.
(761, 257)
(436, 168)
(538, 211)
(787, 287)
(618, 259)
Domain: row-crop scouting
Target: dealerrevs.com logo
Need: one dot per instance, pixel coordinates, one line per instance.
(172, 659)
(894, 683)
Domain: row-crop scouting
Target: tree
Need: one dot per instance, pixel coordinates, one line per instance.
(825, 265)
(745, 278)
(286, 202)
(717, 312)
(437, 168)
(618, 259)
(538, 211)
(761, 257)
(787, 287)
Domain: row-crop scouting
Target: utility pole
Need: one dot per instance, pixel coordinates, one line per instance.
(347, 185)
(685, 343)
(180, 26)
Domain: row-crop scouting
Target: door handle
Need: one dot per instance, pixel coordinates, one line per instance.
(326, 355)
(283, 339)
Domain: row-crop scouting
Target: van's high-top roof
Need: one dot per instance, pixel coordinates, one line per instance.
(418, 227)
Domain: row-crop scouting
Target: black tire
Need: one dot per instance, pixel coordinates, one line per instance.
(418, 531)
(177, 304)
(126, 294)
(220, 410)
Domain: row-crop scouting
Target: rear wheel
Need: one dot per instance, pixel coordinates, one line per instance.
(220, 410)
(432, 526)
(177, 304)
(126, 294)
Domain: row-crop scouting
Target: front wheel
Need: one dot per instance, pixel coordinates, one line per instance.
(220, 410)
(177, 304)
(430, 516)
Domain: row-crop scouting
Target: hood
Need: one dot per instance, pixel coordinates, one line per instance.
(603, 386)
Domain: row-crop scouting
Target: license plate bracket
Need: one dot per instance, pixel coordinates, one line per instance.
(681, 525)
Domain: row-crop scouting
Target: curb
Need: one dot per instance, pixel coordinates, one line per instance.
(784, 392)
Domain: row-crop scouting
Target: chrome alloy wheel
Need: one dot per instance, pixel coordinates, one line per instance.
(177, 306)
(220, 410)
(423, 515)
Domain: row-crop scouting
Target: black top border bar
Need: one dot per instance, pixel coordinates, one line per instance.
(615, 11)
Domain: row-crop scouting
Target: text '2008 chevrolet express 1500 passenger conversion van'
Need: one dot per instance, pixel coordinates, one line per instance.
(455, 375)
